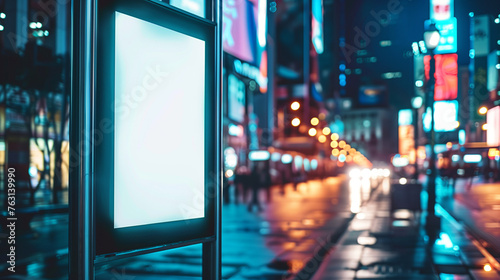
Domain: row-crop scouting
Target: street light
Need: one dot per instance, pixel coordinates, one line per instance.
(431, 39)
(416, 103)
(295, 105)
(483, 110)
(296, 122)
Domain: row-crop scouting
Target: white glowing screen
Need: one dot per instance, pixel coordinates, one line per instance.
(159, 124)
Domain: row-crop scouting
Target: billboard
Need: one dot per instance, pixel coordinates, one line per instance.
(445, 116)
(147, 163)
(317, 25)
(405, 117)
(493, 72)
(446, 76)
(406, 141)
(372, 95)
(154, 161)
(493, 121)
(239, 34)
(481, 36)
(244, 29)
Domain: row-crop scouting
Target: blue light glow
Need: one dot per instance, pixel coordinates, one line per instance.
(259, 155)
(342, 158)
(275, 156)
(472, 158)
(307, 165)
(461, 137)
(297, 161)
(314, 164)
(405, 117)
(286, 158)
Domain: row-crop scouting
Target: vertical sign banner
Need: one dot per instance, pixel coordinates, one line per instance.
(317, 25)
(407, 141)
(493, 132)
(493, 73)
(446, 86)
(446, 76)
(481, 36)
(419, 74)
(406, 134)
(236, 98)
(239, 35)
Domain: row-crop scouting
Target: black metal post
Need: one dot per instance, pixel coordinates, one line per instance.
(415, 139)
(432, 222)
(81, 243)
(211, 251)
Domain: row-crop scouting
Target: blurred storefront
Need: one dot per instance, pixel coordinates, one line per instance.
(34, 98)
(244, 77)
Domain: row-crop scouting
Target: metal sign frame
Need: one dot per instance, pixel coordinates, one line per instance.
(92, 239)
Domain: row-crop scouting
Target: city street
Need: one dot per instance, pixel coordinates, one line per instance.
(336, 228)
(271, 244)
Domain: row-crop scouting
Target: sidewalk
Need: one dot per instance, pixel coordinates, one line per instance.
(380, 244)
(477, 208)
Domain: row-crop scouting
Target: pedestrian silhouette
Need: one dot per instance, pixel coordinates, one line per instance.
(260, 178)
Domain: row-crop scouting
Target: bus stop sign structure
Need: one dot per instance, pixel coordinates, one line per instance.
(145, 132)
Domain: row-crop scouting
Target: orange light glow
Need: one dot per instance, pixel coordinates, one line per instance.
(342, 144)
(314, 121)
(335, 137)
(334, 144)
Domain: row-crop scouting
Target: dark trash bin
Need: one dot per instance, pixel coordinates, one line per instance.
(406, 196)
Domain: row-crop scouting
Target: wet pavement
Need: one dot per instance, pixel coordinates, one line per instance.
(476, 207)
(275, 243)
(324, 229)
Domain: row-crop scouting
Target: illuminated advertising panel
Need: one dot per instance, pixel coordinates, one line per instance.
(406, 141)
(196, 7)
(372, 95)
(236, 98)
(446, 76)
(179, 77)
(493, 132)
(317, 25)
(239, 30)
(405, 117)
(155, 114)
(448, 30)
(445, 116)
(441, 9)
(481, 42)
